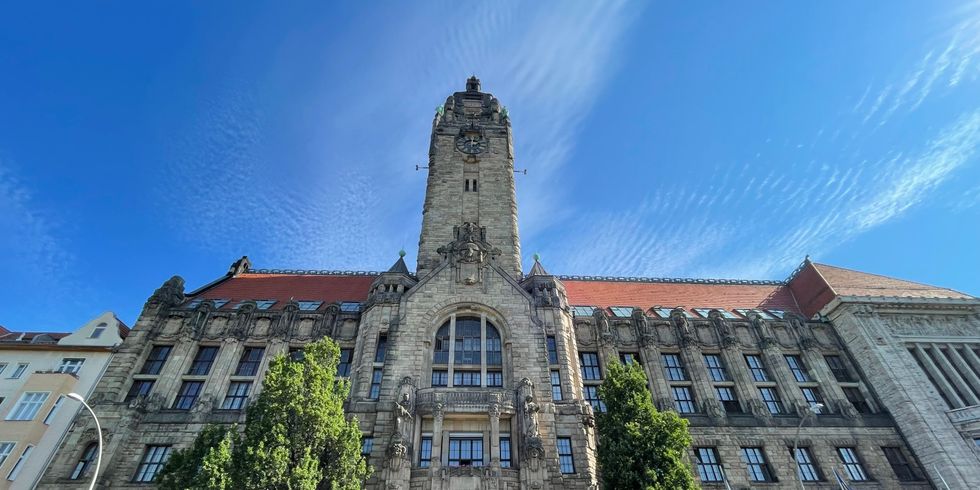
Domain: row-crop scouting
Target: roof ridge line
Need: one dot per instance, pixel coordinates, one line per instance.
(677, 280)
(313, 272)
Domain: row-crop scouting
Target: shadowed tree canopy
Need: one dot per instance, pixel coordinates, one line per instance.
(296, 436)
(639, 446)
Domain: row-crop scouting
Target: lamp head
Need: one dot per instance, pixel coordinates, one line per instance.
(76, 397)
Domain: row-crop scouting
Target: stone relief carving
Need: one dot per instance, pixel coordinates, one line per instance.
(533, 447)
(606, 334)
(239, 327)
(645, 332)
(724, 329)
(168, 295)
(469, 253)
(685, 332)
(763, 331)
(283, 326)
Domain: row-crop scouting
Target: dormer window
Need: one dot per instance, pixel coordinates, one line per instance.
(582, 311)
(350, 306)
(98, 331)
(309, 305)
(705, 312)
(621, 311)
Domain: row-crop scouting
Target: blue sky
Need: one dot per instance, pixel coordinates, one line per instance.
(144, 139)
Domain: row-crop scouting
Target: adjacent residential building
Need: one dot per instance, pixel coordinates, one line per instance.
(37, 371)
(470, 373)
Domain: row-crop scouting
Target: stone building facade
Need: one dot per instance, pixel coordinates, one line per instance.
(470, 374)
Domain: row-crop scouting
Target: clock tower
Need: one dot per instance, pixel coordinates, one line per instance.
(471, 179)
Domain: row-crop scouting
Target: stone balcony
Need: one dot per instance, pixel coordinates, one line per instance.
(465, 400)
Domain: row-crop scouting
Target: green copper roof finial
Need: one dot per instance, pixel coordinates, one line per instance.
(401, 253)
(537, 258)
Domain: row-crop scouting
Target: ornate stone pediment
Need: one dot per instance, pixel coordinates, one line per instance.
(469, 253)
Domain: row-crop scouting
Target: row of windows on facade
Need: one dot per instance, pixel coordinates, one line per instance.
(675, 371)
(25, 410)
(70, 365)
(265, 304)
(664, 312)
(758, 469)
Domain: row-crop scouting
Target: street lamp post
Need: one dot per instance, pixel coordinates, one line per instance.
(98, 430)
(813, 409)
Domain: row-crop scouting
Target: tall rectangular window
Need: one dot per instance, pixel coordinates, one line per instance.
(382, 350)
(465, 451)
(467, 341)
(237, 395)
(852, 465)
(376, 376)
(683, 400)
(71, 365)
(367, 445)
(19, 370)
(673, 367)
(140, 387)
(798, 369)
(189, 391)
(28, 405)
(495, 378)
(555, 385)
(20, 463)
(566, 462)
(505, 461)
(248, 364)
(726, 395)
(756, 367)
(5, 449)
(53, 410)
(425, 452)
(771, 398)
(552, 350)
(154, 457)
(440, 377)
(805, 466)
(812, 397)
(156, 359)
(3, 367)
(756, 464)
(592, 396)
(837, 366)
(857, 399)
(203, 360)
(343, 367)
(903, 469)
(716, 368)
(709, 470)
(590, 365)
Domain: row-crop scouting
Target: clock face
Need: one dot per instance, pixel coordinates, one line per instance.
(471, 140)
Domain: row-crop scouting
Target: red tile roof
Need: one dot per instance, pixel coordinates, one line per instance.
(690, 295)
(283, 287)
(815, 285)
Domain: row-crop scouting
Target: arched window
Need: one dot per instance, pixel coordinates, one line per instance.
(476, 357)
(88, 457)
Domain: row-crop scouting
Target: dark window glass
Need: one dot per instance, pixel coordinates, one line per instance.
(903, 469)
(556, 386)
(683, 401)
(248, 365)
(552, 350)
(726, 395)
(466, 378)
(505, 461)
(755, 463)
(798, 369)
(465, 451)
(382, 350)
(757, 368)
(343, 367)
(709, 470)
(494, 357)
(237, 395)
(857, 399)
(592, 396)
(440, 377)
(590, 365)
(673, 367)
(189, 391)
(154, 457)
(156, 359)
(425, 452)
(467, 341)
(440, 354)
(837, 366)
(716, 368)
(141, 387)
(566, 462)
(203, 360)
(629, 358)
(805, 467)
(376, 376)
(84, 462)
(495, 378)
(367, 445)
(771, 398)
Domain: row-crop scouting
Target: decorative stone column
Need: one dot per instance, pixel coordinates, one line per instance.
(494, 413)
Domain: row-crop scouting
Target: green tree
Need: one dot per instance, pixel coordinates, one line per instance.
(296, 436)
(639, 446)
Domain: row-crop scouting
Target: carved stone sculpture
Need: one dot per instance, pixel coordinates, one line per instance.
(168, 295)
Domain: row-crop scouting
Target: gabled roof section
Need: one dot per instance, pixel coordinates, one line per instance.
(815, 285)
(284, 286)
(645, 294)
(399, 266)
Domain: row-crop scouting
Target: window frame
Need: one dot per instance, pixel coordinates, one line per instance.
(710, 471)
(566, 454)
(25, 407)
(774, 403)
(855, 468)
(908, 471)
(684, 406)
(248, 360)
(153, 362)
(798, 368)
(670, 370)
(591, 371)
(757, 464)
(236, 400)
(154, 457)
(377, 376)
(85, 460)
(19, 464)
(720, 369)
(473, 443)
(555, 378)
(759, 372)
(182, 397)
(806, 466)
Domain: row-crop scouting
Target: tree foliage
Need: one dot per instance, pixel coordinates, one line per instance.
(639, 446)
(295, 436)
